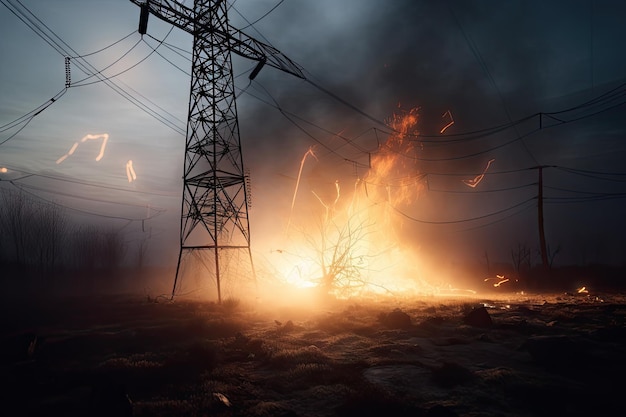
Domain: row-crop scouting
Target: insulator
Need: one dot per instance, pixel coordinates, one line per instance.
(257, 69)
(143, 18)
(68, 72)
(248, 188)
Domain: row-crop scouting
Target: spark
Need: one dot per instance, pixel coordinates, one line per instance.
(337, 189)
(501, 280)
(295, 191)
(130, 171)
(328, 207)
(477, 179)
(103, 136)
(583, 290)
(449, 123)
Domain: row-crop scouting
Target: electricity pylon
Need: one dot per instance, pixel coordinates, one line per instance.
(215, 195)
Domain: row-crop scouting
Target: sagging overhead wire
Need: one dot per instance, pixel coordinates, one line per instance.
(466, 220)
(511, 213)
(23, 186)
(59, 45)
(107, 216)
(105, 47)
(166, 59)
(485, 68)
(28, 117)
(593, 198)
(599, 175)
(482, 191)
(82, 82)
(263, 16)
(28, 174)
(449, 138)
(290, 117)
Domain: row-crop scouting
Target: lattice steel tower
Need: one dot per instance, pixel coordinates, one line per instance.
(214, 214)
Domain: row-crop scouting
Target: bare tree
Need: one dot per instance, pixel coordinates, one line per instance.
(338, 253)
(14, 219)
(86, 247)
(112, 250)
(552, 254)
(521, 258)
(50, 228)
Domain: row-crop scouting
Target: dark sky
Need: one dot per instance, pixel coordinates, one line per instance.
(491, 66)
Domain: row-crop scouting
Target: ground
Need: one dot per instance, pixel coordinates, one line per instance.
(504, 355)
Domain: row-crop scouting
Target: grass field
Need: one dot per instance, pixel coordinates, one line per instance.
(118, 355)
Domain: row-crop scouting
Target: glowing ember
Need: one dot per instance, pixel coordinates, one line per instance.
(295, 191)
(3, 170)
(476, 180)
(450, 123)
(103, 136)
(130, 171)
(501, 279)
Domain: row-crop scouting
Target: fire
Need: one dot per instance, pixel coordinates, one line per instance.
(393, 176)
(354, 247)
(103, 136)
(3, 170)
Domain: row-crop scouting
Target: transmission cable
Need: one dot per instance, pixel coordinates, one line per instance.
(463, 220)
(106, 47)
(85, 66)
(108, 216)
(514, 213)
(28, 117)
(485, 68)
(82, 182)
(264, 16)
(164, 58)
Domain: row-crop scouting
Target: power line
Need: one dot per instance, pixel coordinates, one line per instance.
(594, 198)
(513, 213)
(81, 182)
(481, 191)
(599, 175)
(167, 60)
(80, 197)
(106, 47)
(28, 117)
(58, 44)
(485, 68)
(470, 219)
(82, 82)
(108, 216)
(264, 16)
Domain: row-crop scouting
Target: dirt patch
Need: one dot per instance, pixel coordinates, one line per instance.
(123, 355)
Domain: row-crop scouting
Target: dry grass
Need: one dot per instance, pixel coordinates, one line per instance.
(200, 359)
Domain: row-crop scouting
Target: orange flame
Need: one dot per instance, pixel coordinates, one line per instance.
(358, 243)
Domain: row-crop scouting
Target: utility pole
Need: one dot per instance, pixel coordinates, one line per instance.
(214, 212)
(542, 236)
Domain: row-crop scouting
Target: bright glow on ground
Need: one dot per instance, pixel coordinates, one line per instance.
(348, 243)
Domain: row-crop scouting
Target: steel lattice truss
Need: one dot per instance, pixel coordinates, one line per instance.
(215, 196)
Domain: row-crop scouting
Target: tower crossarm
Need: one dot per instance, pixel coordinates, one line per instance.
(239, 43)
